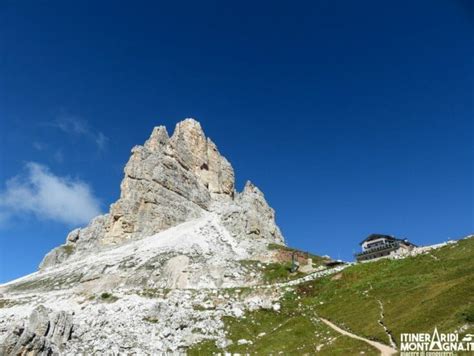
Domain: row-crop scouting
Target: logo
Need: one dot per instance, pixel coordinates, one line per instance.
(435, 344)
(468, 338)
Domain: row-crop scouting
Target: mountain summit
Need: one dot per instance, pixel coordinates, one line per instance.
(169, 181)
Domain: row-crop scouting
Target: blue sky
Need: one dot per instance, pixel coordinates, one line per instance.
(352, 117)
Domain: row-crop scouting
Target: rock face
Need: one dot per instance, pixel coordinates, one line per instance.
(45, 333)
(160, 270)
(168, 181)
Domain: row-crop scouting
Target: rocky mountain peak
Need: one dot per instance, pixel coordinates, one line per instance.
(167, 182)
(158, 139)
(200, 155)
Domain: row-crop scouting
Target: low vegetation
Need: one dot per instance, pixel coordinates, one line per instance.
(416, 293)
(154, 292)
(7, 303)
(68, 249)
(271, 272)
(108, 297)
(292, 331)
(46, 283)
(150, 319)
(279, 272)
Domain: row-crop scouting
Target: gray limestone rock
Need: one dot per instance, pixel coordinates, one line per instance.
(45, 333)
(169, 181)
(250, 217)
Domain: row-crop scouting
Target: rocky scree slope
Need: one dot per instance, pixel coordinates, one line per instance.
(177, 235)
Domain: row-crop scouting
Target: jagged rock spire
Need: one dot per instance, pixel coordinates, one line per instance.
(168, 181)
(200, 155)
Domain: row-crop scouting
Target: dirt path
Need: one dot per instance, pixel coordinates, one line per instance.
(384, 349)
(382, 324)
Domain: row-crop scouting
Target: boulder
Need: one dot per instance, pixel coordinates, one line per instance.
(45, 333)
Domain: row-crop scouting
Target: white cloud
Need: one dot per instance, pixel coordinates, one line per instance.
(39, 146)
(74, 125)
(101, 140)
(48, 196)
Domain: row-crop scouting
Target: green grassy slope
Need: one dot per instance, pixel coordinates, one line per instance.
(293, 331)
(417, 294)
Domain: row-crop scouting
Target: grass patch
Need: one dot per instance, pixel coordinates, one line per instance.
(279, 272)
(292, 331)
(272, 272)
(206, 347)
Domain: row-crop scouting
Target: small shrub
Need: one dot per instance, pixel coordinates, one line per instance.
(108, 297)
(468, 314)
(4, 303)
(68, 249)
(199, 307)
(150, 319)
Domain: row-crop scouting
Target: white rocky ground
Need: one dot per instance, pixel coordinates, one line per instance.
(197, 254)
(161, 293)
